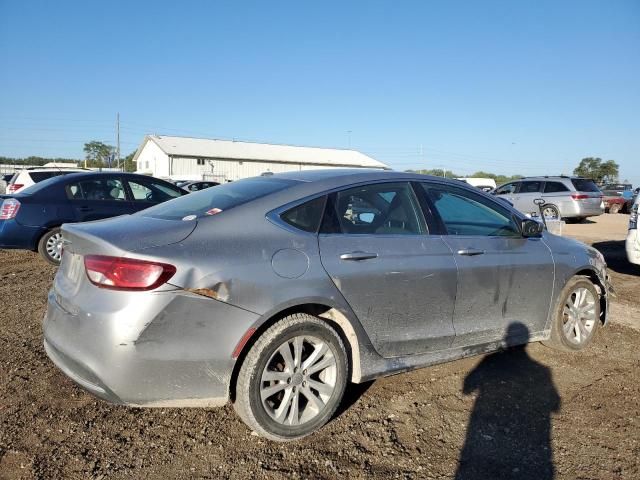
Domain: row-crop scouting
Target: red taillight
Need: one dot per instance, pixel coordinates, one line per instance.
(14, 187)
(117, 273)
(579, 196)
(9, 208)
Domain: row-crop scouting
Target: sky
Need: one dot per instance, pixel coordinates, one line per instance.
(511, 87)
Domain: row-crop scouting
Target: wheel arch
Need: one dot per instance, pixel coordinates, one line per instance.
(338, 320)
(592, 275)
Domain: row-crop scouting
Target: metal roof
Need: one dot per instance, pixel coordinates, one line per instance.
(228, 149)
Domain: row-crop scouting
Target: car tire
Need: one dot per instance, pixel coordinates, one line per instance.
(615, 208)
(576, 318)
(551, 211)
(49, 246)
(285, 399)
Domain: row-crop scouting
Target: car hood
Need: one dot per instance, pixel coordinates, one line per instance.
(124, 234)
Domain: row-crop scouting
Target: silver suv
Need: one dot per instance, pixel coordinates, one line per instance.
(565, 197)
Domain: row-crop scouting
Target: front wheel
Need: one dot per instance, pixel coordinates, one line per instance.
(577, 316)
(50, 246)
(615, 208)
(293, 378)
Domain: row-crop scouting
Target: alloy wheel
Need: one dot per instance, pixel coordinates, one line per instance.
(579, 316)
(54, 246)
(298, 380)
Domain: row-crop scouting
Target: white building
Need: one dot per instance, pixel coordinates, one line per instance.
(183, 158)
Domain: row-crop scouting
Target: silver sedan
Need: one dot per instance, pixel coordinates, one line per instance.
(275, 292)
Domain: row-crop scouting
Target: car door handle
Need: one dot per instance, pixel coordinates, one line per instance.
(470, 252)
(358, 256)
(85, 209)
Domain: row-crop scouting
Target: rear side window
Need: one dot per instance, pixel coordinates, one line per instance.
(380, 209)
(214, 200)
(584, 185)
(530, 187)
(554, 187)
(306, 216)
(99, 189)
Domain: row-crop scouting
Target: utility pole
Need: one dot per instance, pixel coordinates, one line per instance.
(118, 139)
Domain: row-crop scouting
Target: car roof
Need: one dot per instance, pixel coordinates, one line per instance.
(542, 178)
(52, 169)
(353, 175)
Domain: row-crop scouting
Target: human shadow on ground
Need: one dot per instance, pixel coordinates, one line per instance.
(509, 432)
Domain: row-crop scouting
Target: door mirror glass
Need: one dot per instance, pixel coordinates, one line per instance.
(531, 228)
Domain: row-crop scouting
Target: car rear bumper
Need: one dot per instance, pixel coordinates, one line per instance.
(161, 349)
(576, 209)
(14, 235)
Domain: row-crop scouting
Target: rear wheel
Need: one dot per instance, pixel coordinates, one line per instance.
(551, 211)
(50, 246)
(577, 316)
(293, 378)
(615, 208)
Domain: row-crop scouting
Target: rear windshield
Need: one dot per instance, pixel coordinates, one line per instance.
(42, 185)
(584, 185)
(617, 186)
(217, 199)
(39, 176)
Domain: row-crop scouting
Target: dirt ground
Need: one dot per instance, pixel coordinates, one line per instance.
(525, 413)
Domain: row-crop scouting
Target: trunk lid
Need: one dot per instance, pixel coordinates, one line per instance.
(124, 234)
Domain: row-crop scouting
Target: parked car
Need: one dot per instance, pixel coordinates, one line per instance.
(26, 177)
(572, 198)
(633, 239)
(268, 292)
(624, 190)
(486, 184)
(4, 181)
(617, 203)
(180, 183)
(31, 219)
(196, 186)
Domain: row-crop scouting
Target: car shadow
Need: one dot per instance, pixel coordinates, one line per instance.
(616, 256)
(352, 394)
(509, 431)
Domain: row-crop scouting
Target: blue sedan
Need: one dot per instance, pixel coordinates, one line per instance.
(31, 219)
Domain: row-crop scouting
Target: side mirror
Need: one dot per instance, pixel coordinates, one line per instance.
(531, 228)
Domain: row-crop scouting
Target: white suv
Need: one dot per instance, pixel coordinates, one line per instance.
(633, 239)
(30, 176)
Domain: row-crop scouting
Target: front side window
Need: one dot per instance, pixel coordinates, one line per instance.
(150, 191)
(381, 209)
(530, 187)
(506, 189)
(465, 213)
(98, 189)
